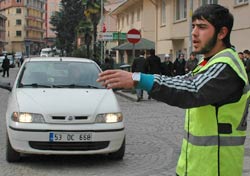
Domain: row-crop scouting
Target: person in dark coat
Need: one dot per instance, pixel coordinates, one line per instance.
(191, 63)
(179, 65)
(153, 64)
(167, 66)
(6, 66)
(138, 65)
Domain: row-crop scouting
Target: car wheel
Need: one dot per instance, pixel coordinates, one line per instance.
(118, 155)
(11, 154)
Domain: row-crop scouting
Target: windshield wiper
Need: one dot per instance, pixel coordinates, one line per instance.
(36, 85)
(75, 86)
(82, 86)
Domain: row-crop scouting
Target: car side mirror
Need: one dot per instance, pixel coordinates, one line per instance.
(5, 85)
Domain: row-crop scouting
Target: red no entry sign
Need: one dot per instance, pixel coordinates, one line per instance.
(133, 36)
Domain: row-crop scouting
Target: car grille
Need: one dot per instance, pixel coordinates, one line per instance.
(69, 119)
(69, 146)
(65, 117)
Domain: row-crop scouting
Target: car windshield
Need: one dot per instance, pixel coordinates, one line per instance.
(63, 74)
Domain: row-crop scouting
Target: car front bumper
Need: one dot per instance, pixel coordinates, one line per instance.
(37, 141)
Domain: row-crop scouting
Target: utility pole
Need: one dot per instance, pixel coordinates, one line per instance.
(102, 49)
(190, 27)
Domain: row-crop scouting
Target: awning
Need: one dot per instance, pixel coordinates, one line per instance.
(143, 44)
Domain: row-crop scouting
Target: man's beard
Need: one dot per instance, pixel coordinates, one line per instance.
(209, 46)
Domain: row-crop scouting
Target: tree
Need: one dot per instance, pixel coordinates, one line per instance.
(93, 14)
(65, 23)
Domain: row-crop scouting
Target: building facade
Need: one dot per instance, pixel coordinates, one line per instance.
(24, 25)
(174, 24)
(137, 14)
(2, 33)
(168, 22)
(50, 8)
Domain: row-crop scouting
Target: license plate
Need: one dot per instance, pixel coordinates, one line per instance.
(69, 137)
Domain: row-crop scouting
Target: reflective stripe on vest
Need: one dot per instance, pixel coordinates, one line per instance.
(213, 140)
(230, 55)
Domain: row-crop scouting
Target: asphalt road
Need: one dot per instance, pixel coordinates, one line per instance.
(154, 132)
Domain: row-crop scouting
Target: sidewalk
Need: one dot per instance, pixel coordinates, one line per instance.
(131, 96)
(126, 94)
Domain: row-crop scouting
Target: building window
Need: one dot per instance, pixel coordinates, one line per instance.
(18, 10)
(180, 9)
(18, 1)
(18, 33)
(127, 19)
(203, 2)
(163, 12)
(18, 22)
(238, 2)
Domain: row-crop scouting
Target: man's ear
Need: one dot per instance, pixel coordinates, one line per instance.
(223, 32)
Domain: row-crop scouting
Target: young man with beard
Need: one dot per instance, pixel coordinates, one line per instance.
(215, 95)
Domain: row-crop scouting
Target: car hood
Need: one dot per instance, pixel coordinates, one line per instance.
(66, 101)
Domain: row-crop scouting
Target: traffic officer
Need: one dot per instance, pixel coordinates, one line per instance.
(215, 95)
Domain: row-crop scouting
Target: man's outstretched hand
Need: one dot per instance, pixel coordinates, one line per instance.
(116, 79)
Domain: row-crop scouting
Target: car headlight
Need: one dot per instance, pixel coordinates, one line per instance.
(109, 118)
(25, 117)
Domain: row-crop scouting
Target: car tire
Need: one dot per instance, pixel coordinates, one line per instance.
(11, 154)
(118, 155)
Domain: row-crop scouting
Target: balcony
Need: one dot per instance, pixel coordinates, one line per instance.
(34, 18)
(30, 6)
(33, 28)
(32, 39)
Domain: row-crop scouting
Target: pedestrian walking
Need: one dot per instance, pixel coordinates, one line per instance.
(138, 65)
(191, 62)
(241, 56)
(167, 66)
(179, 65)
(6, 66)
(153, 64)
(215, 95)
(246, 54)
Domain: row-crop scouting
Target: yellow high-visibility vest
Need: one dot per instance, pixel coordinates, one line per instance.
(213, 144)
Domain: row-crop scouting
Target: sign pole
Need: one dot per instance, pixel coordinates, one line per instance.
(102, 49)
(133, 55)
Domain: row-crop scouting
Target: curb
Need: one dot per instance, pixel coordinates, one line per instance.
(129, 96)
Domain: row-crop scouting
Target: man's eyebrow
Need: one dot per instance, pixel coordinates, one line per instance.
(199, 24)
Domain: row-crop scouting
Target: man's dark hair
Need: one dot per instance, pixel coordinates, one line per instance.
(218, 16)
(152, 52)
(142, 52)
(246, 51)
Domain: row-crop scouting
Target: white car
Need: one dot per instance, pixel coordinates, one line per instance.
(56, 107)
(46, 52)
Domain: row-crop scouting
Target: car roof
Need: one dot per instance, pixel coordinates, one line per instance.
(70, 59)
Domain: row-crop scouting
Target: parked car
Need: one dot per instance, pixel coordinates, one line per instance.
(46, 52)
(1, 62)
(56, 106)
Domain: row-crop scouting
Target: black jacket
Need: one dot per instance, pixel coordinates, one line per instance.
(153, 65)
(6, 63)
(221, 85)
(139, 64)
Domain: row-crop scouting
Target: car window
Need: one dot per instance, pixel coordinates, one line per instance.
(60, 74)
